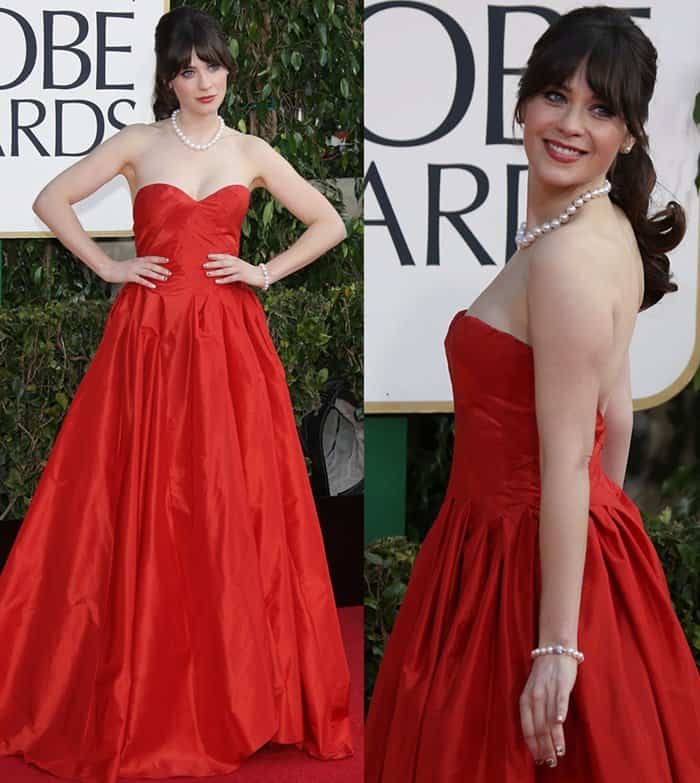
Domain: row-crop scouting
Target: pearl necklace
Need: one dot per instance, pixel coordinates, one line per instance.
(186, 140)
(524, 238)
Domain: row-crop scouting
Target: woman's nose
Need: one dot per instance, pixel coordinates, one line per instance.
(572, 119)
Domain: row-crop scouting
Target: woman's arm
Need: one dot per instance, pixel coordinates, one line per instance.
(619, 419)
(325, 226)
(53, 204)
(570, 298)
(571, 329)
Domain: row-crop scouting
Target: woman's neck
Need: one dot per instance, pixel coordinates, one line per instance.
(198, 127)
(546, 202)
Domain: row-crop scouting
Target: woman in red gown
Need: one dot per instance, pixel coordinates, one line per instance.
(537, 625)
(166, 609)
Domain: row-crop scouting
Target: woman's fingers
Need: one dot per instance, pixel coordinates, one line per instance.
(143, 267)
(544, 738)
(554, 703)
(160, 274)
(528, 725)
(154, 263)
(226, 269)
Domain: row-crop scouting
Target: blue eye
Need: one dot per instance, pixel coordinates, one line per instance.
(188, 71)
(603, 110)
(553, 96)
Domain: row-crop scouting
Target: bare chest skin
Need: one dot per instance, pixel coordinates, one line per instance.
(503, 303)
(163, 158)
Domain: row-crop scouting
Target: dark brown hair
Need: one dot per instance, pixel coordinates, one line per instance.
(177, 33)
(620, 67)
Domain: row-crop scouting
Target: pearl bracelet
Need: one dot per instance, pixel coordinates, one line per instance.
(266, 275)
(558, 649)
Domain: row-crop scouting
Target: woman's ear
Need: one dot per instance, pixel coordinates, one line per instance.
(522, 111)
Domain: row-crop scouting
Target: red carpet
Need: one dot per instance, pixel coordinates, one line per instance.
(272, 764)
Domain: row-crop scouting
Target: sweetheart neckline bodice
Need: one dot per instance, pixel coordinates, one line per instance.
(186, 194)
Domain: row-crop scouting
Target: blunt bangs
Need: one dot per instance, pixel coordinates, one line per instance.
(612, 68)
(209, 48)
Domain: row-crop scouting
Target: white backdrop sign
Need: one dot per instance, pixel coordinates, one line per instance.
(445, 183)
(71, 76)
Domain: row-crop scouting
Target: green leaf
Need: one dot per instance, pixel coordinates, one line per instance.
(696, 110)
(268, 212)
(234, 48)
(296, 60)
(344, 88)
(242, 127)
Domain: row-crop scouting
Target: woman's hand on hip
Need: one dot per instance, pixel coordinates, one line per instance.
(224, 268)
(137, 270)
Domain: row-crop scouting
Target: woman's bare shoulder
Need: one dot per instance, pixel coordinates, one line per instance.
(244, 141)
(574, 253)
(148, 130)
(140, 135)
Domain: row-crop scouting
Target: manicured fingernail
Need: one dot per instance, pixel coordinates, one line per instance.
(559, 750)
(560, 718)
(552, 762)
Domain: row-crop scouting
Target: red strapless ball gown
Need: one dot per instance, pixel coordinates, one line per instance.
(166, 608)
(445, 704)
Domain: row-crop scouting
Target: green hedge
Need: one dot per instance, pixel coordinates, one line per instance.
(389, 560)
(45, 350)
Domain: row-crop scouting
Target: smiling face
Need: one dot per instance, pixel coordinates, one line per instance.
(571, 136)
(200, 87)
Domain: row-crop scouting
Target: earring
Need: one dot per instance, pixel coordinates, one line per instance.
(627, 148)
